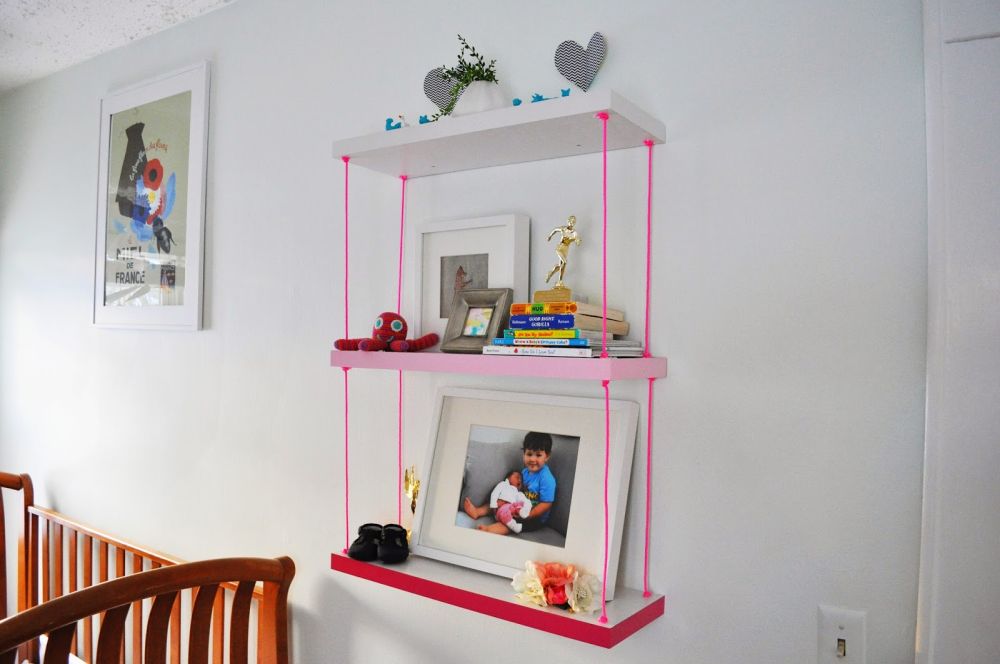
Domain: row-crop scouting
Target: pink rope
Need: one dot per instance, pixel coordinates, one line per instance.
(399, 307)
(607, 461)
(347, 474)
(649, 486)
(402, 222)
(347, 467)
(603, 116)
(399, 453)
(347, 335)
(649, 400)
(649, 238)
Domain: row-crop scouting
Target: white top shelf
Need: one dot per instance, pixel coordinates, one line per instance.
(561, 127)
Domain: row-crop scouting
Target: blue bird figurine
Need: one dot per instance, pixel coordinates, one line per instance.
(390, 125)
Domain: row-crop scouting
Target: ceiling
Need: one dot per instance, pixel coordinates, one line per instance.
(40, 37)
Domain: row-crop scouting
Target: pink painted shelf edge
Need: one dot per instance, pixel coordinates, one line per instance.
(492, 596)
(498, 365)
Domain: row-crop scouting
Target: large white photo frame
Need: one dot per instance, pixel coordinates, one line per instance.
(435, 532)
(172, 297)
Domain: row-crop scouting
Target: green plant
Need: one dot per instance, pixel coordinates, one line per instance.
(466, 71)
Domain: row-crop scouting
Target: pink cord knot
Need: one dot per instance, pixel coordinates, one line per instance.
(605, 383)
(646, 593)
(346, 369)
(404, 178)
(603, 115)
(602, 619)
(345, 158)
(648, 142)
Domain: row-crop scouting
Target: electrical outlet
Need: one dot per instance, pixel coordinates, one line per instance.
(841, 636)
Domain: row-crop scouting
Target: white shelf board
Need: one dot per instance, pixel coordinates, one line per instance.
(561, 127)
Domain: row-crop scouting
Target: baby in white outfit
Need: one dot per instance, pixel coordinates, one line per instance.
(507, 501)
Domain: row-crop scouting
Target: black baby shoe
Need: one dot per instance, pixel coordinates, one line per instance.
(366, 547)
(393, 547)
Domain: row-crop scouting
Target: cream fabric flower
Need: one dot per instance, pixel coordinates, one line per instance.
(584, 596)
(529, 588)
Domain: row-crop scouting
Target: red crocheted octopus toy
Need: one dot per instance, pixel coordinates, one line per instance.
(389, 333)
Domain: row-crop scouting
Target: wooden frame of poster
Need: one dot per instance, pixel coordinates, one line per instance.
(151, 203)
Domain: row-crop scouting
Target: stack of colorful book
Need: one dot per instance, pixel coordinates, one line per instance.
(563, 329)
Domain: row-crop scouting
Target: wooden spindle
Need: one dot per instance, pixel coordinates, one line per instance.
(88, 581)
(60, 644)
(119, 562)
(57, 559)
(102, 562)
(175, 632)
(239, 623)
(46, 581)
(109, 643)
(136, 613)
(201, 622)
(219, 627)
(156, 628)
(103, 569)
(73, 571)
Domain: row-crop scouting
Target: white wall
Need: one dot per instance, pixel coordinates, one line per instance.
(960, 584)
(789, 295)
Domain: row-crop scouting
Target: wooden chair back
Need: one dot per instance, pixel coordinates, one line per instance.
(72, 556)
(60, 618)
(22, 483)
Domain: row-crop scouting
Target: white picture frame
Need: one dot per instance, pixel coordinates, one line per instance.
(148, 261)
(505, 239)
(437, 532)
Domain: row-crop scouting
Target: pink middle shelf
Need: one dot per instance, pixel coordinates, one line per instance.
(498, 365)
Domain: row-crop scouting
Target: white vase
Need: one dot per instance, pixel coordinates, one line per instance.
(479, 96)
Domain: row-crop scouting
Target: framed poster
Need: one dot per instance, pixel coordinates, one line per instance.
(484, 439)
(486, 252)
(151, 203)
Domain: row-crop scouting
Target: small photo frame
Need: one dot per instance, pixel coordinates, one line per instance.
(477, 316)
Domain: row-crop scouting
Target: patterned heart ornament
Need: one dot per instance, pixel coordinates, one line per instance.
(438, 88)
(579, 64)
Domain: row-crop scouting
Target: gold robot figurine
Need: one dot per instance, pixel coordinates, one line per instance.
(568, 236)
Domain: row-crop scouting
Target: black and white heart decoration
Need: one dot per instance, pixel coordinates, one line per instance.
(438, 88)
(579, 64)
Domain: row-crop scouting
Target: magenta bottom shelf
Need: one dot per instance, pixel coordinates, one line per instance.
(493, 596)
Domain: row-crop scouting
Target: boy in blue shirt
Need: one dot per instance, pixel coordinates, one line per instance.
(538, 484)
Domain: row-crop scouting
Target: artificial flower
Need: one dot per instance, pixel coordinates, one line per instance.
(583, 597)
(556, 595)
(556, 584)
(528, 586)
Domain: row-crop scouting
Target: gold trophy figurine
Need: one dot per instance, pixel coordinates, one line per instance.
(568, 237)
(411, 487)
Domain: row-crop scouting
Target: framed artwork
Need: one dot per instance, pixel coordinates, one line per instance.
(477, 316)
(487, 252)
(151, 203)
(480, 442)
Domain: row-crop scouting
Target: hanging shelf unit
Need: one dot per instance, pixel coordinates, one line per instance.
(552, 129)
